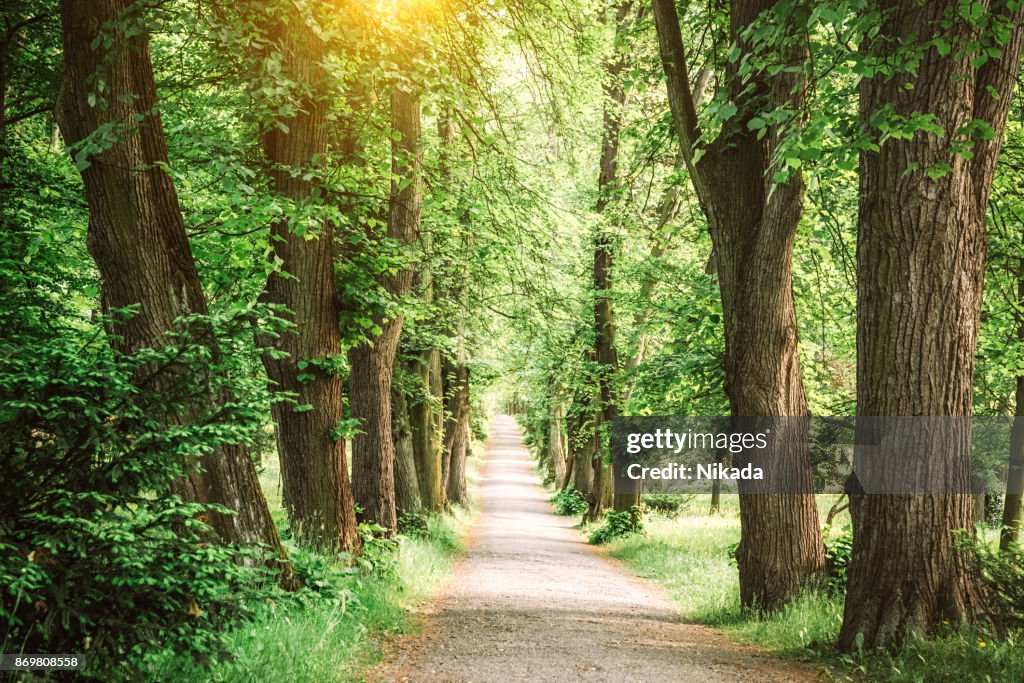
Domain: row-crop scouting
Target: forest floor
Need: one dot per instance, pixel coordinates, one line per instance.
(531, 601)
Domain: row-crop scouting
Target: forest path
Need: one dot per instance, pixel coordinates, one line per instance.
(531, 602)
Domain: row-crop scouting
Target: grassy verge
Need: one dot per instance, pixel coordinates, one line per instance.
(689, 555)
(332, 630)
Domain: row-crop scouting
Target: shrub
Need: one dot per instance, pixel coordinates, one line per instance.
(666, 504)
(1003, 574)
(98, 553)
(414, 524)
(569, 502)
(618, 524)
(838, 552)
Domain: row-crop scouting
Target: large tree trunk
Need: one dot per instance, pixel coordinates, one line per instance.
(753, 225)
(407, 488)
(426, 418)
(314, 473)
(921, 250)
(137, 235)
(373, 453)
(456, 439)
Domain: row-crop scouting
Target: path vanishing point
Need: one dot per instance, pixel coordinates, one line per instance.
(530, 601)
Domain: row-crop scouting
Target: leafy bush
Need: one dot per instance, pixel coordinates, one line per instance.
(379, 551)
(666, 504)
(838, 552)
(414, 524)
(618, 524)
(98, 552)
(569, 502)
(1003, 574)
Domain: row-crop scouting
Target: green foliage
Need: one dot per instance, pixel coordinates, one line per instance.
(619, 524)
(1002, 572)
(100, 553)
(570, 502)
(329, 630)
(838, 553)
(414, 524)
(666, 504)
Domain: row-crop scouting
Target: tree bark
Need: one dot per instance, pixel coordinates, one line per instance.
(582, 445)
(556, 447)
(607, 363)
(407, 490)
(921, 248)
(137, 236)
(1010, 532)
(373, 454)
(315, 486)
(456, 440)
(426, 418)
(753, 223)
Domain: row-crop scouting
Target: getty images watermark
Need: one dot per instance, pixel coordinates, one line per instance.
(891, 455)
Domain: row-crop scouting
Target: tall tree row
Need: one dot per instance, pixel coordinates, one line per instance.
(920, 253)
(752, 219)
(136, 233)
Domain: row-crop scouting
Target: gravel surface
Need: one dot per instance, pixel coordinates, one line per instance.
(531, 602)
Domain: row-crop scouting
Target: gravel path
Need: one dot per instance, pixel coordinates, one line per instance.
(531, 602)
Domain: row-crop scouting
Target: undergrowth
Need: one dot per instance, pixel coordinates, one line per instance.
(689, 556)
(329, 630)
(619, 524)
(569, 502)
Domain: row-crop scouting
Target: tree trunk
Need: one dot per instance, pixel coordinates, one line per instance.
(1010, 532)
(456, 441)
(582, 446)
(753, 224)
(604, 252)
(407, 490)
(373, 453)
(921, 246)
(716, 487)
(137, 236)
(426, 418)
(314, 474)
(556, 449)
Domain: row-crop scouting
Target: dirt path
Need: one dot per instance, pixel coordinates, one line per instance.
(531, 602)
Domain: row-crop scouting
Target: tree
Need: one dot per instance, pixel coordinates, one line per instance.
(1011, 522)
(753, 214)
(556, 441)
(314, 473)
(923, 198)
(136, 233)
(407, 488)
(456, 438)
(426, 411)
(371, 361)
(606, 357)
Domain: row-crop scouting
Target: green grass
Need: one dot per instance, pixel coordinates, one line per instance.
(334, 630)
(689, 556)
